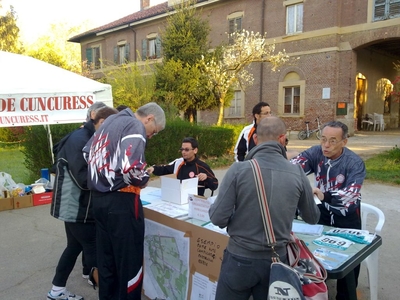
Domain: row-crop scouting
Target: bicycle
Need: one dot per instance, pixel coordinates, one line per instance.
(305, 134)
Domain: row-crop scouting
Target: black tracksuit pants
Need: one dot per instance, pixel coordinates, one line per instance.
(120, 235)
(350, 221)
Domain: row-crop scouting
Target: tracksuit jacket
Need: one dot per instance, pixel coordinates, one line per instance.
(245, 142)
(340, 180)
(116, 171)
(115, 154)
(71, 197)
(237, 205)
(188, 169)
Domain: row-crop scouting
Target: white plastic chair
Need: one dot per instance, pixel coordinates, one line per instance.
(371, 262)
(367, 122)
(379, 122)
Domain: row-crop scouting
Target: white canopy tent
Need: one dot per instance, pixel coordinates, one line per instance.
(33, 92)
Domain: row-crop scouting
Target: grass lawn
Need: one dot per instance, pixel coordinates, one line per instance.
(384, 167)
(12, 162)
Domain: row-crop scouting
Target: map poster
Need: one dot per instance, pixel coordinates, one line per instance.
(166, 253)
(175, 250)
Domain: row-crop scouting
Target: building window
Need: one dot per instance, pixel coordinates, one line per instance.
(151, 48)
(291, 96)
(292, 100)
(121, 54)
(235, 24)
(386, 9)
(235, 110)
(294, 18)
(93, 57)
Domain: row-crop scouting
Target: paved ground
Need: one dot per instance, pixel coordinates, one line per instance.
(31, 241)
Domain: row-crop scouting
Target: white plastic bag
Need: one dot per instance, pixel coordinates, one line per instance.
(7, 184)
(6, 181)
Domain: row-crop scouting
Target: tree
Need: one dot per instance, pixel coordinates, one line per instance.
(54, 48)
(179, 80)
(232, 68)
(9, 32)
(131, 85)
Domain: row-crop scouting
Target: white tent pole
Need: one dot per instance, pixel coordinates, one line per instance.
(50, 142)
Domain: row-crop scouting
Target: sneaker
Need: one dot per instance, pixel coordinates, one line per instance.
(64, 296)
(88, 280)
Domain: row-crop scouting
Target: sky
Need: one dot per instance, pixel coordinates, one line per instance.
(36, 16)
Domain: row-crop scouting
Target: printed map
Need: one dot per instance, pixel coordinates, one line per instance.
(166, 254)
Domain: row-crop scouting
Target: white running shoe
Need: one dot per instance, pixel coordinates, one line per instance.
(64, 296)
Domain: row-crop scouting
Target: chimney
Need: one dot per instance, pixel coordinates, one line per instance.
(144, 4)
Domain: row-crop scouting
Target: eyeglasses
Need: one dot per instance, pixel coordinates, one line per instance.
(185, 149)
(268, 113)
(155, 132)
(331, 142)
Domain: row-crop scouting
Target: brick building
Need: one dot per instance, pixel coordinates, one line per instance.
(345, 51)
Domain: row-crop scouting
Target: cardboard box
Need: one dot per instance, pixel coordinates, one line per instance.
(199, 206)
(43, 198)
(176, 190)
(23, 201)
(6, 204)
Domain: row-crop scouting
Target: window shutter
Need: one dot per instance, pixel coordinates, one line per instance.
(379, 11)
(127, 53)
(231, 30)
(158, 47)
(144, 49)
(394, 8)
(239, 24)
(116, 55)
(97, 57)
(89, 56)
(231, 25)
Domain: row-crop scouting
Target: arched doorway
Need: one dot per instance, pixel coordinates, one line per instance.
(360, 99)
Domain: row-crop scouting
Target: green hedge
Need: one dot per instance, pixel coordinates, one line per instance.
(37, 147)
(213, 141)
(163, 148)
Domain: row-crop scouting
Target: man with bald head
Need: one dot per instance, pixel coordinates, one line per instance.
(247, 258)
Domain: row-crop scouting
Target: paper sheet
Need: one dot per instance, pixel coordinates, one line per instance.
(330, 259)
(309, 229)
(202, 287)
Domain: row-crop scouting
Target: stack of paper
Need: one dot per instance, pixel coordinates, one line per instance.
(169, 209)
(309, 229)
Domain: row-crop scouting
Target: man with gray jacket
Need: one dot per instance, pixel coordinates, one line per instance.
(247, 258)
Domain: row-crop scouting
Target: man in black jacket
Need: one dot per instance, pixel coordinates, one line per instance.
(71, 203)
(189, 166)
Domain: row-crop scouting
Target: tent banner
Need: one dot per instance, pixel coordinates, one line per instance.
(60, 108)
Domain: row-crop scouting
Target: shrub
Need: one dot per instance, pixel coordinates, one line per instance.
(213, 142)
(37, 146)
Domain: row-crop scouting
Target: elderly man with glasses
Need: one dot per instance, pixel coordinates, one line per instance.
(339, 175)
(189, 166)
(116, 173)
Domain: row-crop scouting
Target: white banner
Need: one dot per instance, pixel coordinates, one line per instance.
(20, 110)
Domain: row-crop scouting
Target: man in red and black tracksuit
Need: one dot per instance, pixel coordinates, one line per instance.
(116, 173)
(246, 141)
(339, 175)
(189, 166)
